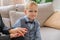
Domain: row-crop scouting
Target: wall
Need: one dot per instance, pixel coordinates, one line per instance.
(9, 2)
(17, 1)
(56, 5)
(6, 2)
(0, 2)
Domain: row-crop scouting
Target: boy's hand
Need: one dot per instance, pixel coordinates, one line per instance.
(20, 31)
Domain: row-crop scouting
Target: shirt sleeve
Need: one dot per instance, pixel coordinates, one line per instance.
(17, 24)
(38, 35)
(3, 28)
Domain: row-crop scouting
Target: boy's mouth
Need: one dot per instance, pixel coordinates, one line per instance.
(33, 16)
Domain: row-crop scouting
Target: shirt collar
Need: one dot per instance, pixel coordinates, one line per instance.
(27, 18)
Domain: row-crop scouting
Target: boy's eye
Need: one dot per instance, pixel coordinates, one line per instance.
(30, 11)
(35, 11)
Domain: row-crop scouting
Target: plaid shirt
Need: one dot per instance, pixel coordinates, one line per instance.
(33, 29)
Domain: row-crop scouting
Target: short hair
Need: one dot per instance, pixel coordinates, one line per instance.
(30, 3)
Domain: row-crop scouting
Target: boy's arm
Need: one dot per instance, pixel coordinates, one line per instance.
(17, 24)
(38, 35)
(17, 28)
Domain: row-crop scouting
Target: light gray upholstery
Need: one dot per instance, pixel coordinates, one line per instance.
(50, 33)
(4, 10)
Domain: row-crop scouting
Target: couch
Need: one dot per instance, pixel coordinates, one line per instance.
(11, 13)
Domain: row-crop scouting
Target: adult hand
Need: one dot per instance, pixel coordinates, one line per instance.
(18, 32)
(14, 35)
(21, 31)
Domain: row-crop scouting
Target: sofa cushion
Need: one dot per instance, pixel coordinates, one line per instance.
(4, 10)
(20, 7)
(14, 16)
(54, 21)
(50, 33)
(6, 22)
(44, 11)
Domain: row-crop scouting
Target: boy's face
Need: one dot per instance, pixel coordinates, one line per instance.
(31, 12)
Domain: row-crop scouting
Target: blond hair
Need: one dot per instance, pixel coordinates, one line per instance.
(30, 3)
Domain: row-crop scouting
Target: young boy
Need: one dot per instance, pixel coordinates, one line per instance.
(29, 22)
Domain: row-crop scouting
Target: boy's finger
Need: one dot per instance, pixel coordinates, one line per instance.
(25, 29)
(20, 32)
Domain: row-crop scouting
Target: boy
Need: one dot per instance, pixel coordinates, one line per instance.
(29, 22)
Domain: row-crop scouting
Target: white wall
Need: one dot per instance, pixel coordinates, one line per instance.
(17, 2)
(5, 2)
(0, 2)
(9, 2)
(56, 4)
